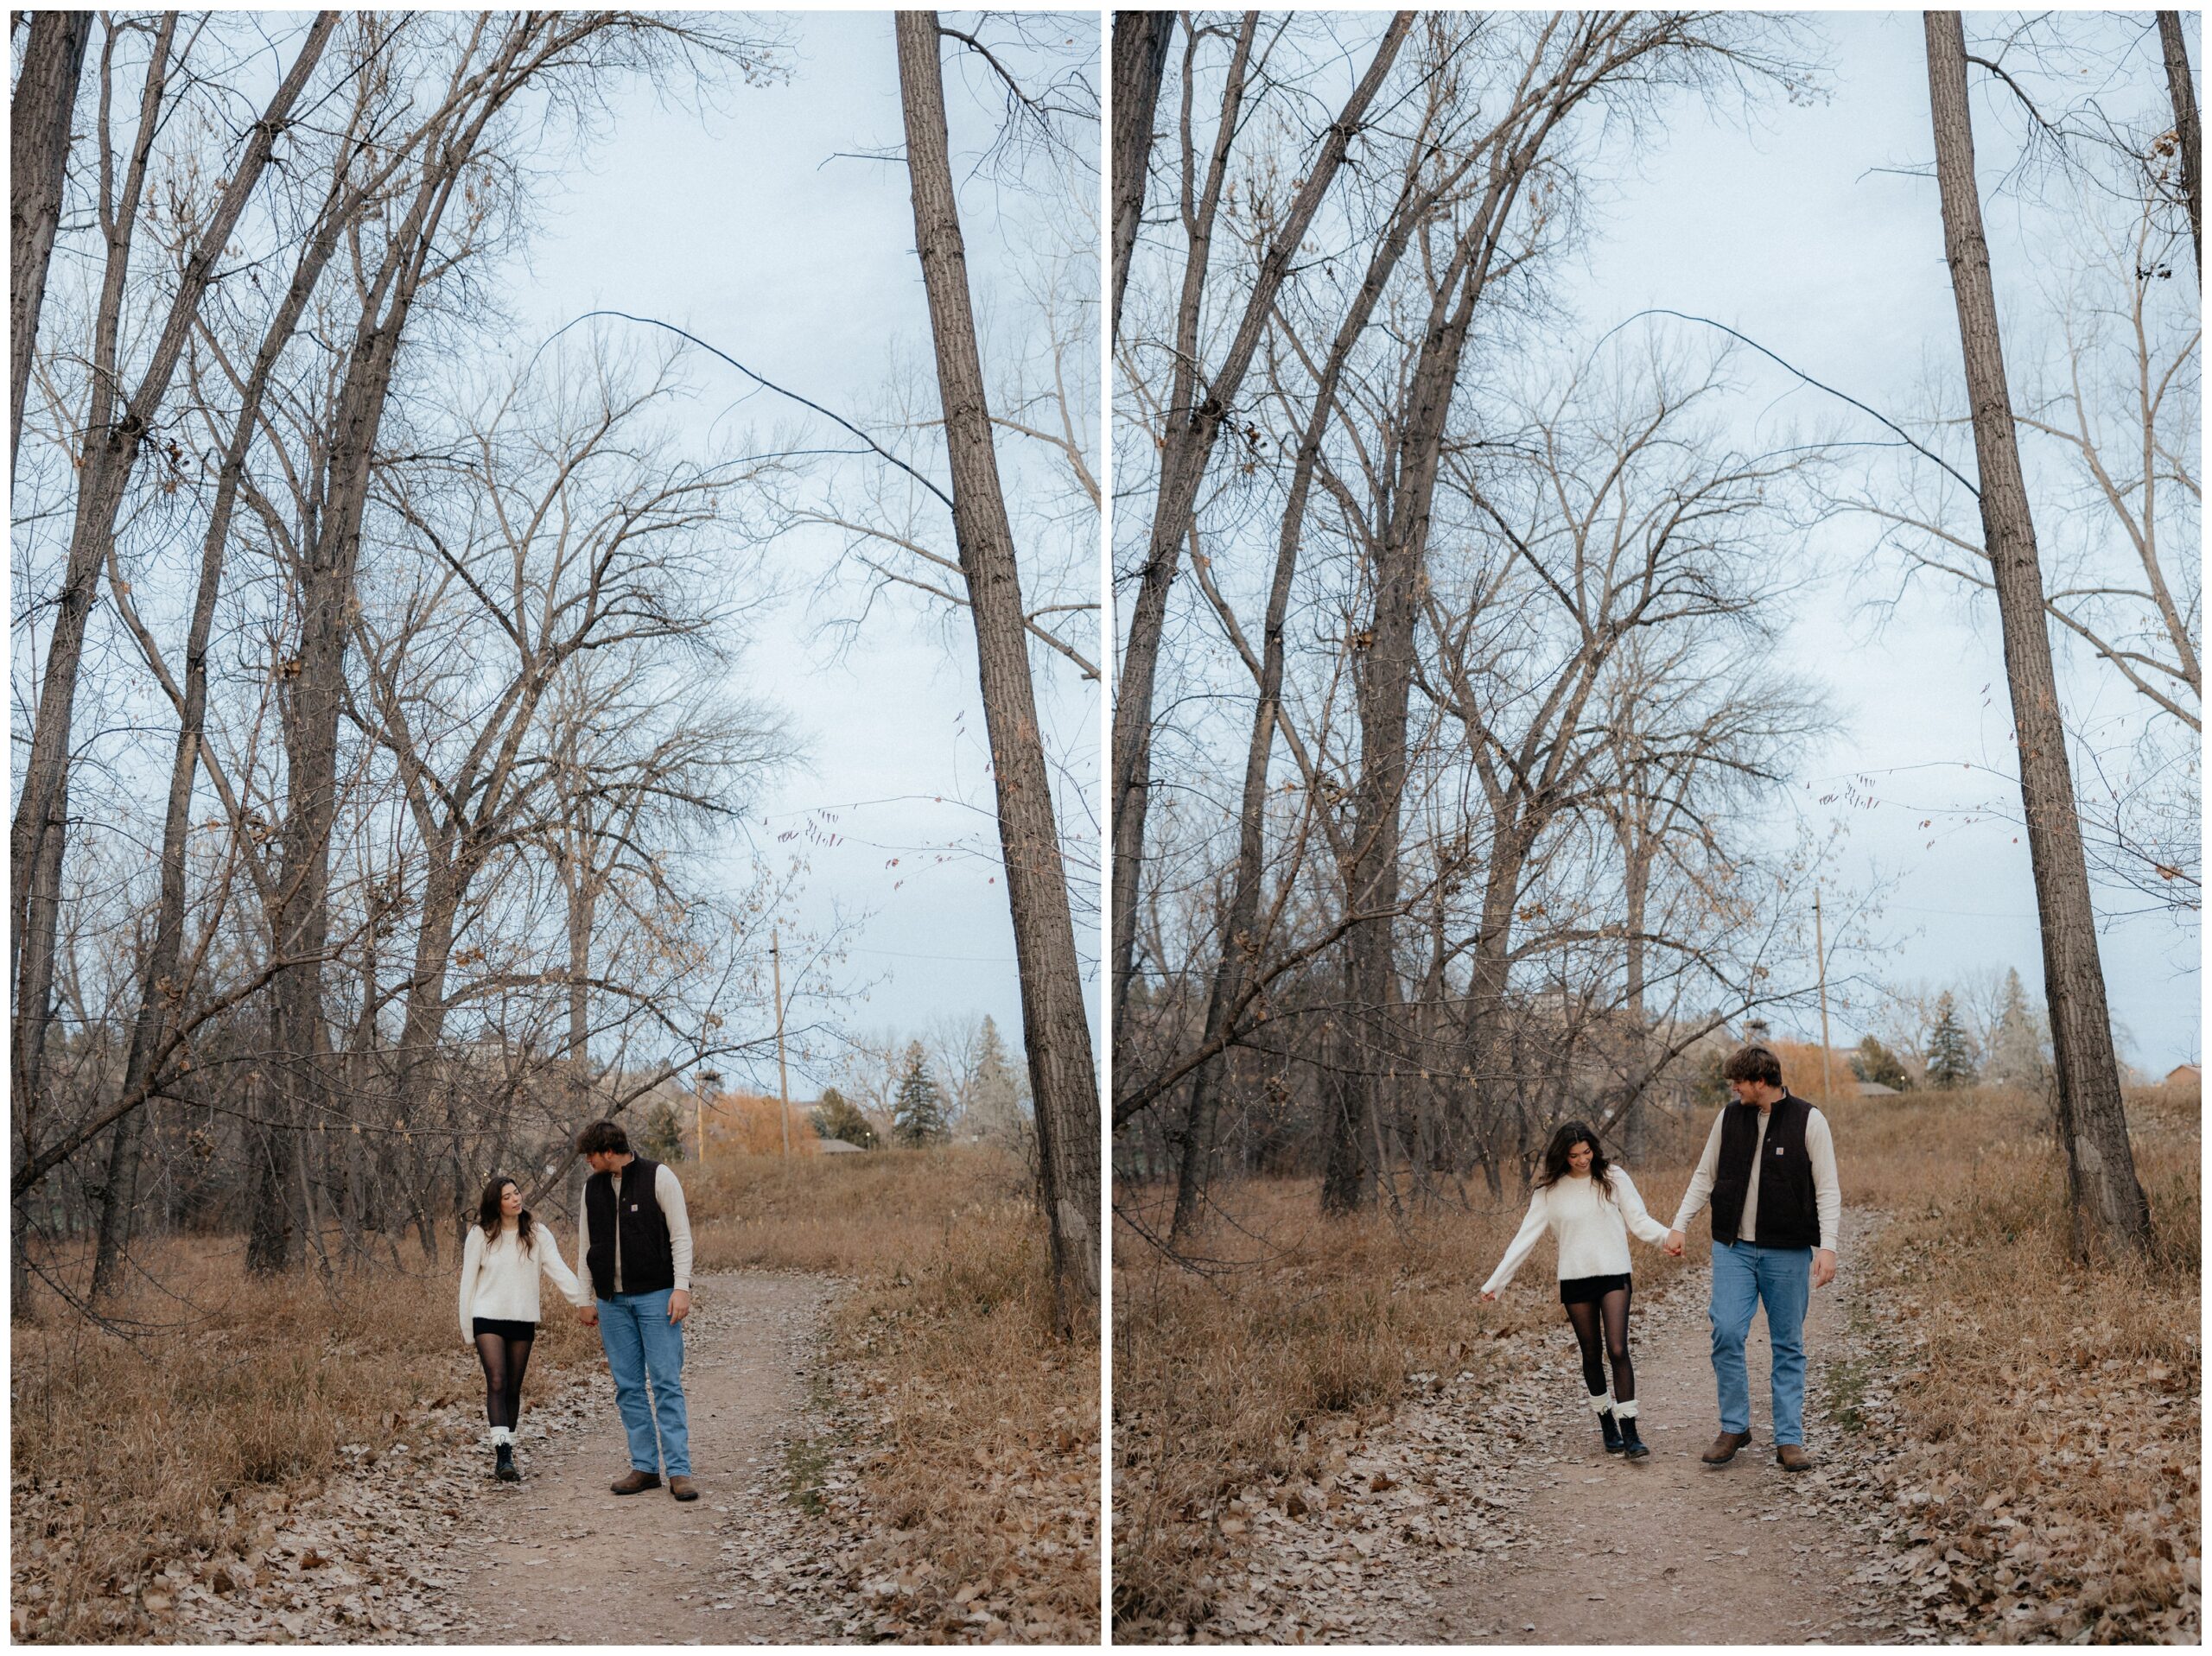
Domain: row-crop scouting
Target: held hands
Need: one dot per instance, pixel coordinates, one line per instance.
(679, 1304)
(588, 1315)
(1674, 1243)
(1823, 1266)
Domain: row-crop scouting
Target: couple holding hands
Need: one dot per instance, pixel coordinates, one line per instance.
(1769, 1172)
(637, 1252)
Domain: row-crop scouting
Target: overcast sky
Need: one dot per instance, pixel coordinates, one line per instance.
(1797, 235)
(753, 233)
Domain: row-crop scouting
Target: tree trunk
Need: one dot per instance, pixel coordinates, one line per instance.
(1239, 945)
(2188, 135)
(159, 994)
(1140, 43)
(45, 98)
(1062, 1078)
(1193, 423)
(2109, 1214)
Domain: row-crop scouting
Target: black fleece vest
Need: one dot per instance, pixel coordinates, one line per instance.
(1788, 1215)
(648, 1255)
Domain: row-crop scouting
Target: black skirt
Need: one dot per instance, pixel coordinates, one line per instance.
(1581, 1290)
(507, 1331)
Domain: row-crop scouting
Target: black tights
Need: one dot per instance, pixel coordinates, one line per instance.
(1612, 1312)
(504, 1361)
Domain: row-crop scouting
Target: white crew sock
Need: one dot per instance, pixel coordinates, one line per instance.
(1599, 1402)
(1625, 1411)
(502, 1435)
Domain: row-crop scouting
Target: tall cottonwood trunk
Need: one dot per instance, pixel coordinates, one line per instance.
(38, 153)
(1062, 1079)
(2110, 1216)
(2188, 135)
(1140, 43)
(1197, 408)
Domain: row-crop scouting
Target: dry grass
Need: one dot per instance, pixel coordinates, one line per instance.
(1302, 1327)
(977, 1430)
(2056, 1397)
(2034, 1390)
(128, 1453)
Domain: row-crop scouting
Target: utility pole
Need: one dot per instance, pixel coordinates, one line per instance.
(1820, 950)
(783, 1080)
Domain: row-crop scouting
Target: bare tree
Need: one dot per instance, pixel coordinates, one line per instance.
(1057, 1031)
(2188, 135)
(2105, 1198)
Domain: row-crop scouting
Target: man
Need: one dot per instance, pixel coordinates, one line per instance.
(636, 1250)
(1769, 1169)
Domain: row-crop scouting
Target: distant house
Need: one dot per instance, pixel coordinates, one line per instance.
(1875, 1090)
(2185, 1074)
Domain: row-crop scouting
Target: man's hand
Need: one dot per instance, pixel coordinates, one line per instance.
(588, 1315)
(679, 1304)
(1674, 1243)
(1823, 1266)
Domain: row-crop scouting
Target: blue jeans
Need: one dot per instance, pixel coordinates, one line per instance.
(1743, 1275)
(643, 1347)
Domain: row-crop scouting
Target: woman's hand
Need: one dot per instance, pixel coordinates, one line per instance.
(1490, 1293)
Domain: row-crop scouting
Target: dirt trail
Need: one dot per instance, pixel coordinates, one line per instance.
(558, 1560)
(1667, 1551)
(1484, 1510)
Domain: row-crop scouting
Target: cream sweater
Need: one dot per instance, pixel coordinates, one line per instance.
(1592, 1231)
(500, 1281)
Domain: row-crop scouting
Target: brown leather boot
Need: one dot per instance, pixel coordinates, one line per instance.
(1725, 1447)
(633, 1482)
(1794, 1458)
(682, 1487)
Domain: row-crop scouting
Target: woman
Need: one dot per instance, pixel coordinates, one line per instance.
(1590, 1207)
(499, 1306)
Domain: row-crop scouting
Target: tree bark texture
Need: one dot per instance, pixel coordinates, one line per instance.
(1062, 1079)
(1140, 43)
(38, 155)
(2110, 1215)
(2188, 135)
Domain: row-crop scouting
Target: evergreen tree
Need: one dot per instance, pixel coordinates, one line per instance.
(1875, 1063)
(838, 1117)
(2018, 1046)
(1950, 1049)
(660, 1134)
(917, 1115)
(995, 1111)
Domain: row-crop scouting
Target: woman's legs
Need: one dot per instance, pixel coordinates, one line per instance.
(1615, 1307)
(1585, 1323)
(517, 1362)
(491, 1352)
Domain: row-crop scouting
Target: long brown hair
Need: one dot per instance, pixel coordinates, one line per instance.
(1570, 1134)
(489, 1219)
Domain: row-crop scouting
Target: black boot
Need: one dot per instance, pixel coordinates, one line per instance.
(1631, 1445)
(1612, 1431)
(505, 1471)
